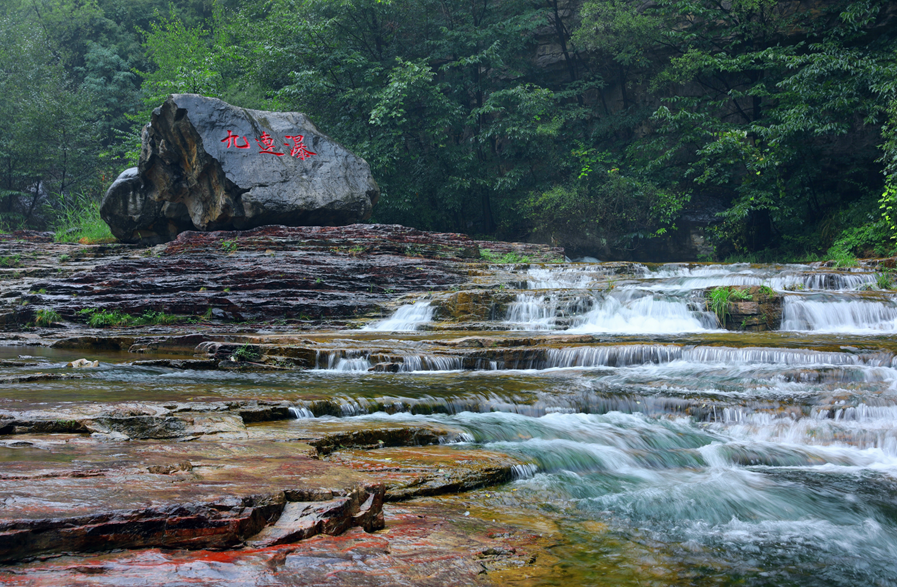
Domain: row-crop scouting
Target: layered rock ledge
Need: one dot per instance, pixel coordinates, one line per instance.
(311, 274)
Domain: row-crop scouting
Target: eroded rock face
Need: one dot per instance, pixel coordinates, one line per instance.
(208, 165)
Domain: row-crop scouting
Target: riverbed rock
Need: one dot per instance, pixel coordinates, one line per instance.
(208, 165)
(467, 306)
(426, 544)
(83, 364)
(188, 495)
(433, 470)
(758, 309)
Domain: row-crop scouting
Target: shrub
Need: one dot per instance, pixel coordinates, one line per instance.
(46, 317)
(246, 353)
(721, 297)
(869, 238)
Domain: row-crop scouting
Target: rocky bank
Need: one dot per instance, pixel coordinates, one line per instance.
(111, 474)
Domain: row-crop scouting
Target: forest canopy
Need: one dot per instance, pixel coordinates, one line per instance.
(600, 125)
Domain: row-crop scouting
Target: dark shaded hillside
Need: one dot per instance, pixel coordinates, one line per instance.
(623, 130)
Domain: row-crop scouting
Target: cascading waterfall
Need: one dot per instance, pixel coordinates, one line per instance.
(789, 278)
(647, 306)
(754, 456)
(627, 355)
(430, 363)
(563, 277)
(530, 312)
(839, 315)
(539, 312)
(633, 312)
(301, 413)
(406, 318)
(351, 360)
(360, 361)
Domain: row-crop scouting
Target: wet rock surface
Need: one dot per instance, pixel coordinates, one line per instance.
(303, 274)
(422, 545)
(191, 495)
(431, 471)
(207, 165)
(755, 309)
(270, 449)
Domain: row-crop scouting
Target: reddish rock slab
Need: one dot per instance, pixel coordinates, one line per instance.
(422, 545)
(432, 470)
(329, 435)
(86, 496)
(231, 421)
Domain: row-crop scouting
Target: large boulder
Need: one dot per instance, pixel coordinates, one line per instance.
(207, 165)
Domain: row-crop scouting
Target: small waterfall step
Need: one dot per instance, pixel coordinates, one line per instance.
(407, 318)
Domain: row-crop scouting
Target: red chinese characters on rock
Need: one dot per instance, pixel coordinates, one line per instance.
(231, 140)
(299, 149)
(265, 142)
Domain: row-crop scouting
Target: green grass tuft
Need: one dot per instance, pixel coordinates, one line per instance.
(105, 318)
(46, 317)
(11, 261)
(722, 297)
(506, 258)
(246, 354)
(883, 281)
(79, 221)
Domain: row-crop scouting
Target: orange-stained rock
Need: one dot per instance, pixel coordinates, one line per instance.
(432, 470)
(422, 545)
(87, 496)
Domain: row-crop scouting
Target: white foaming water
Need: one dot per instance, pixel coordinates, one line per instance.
(563, 277)
(683, 278)
(352, 360)
(526, 471)
(847, 316)
(800, 277)
(672, 271)
(642, 354)
(360, 361)
(621, 314)
(301, 413)
(821, 281)
(347, 364)
(406, 318)
(533, 312)
(530, 312)
(430, 363)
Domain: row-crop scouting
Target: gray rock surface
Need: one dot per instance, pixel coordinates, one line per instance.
(207, 165)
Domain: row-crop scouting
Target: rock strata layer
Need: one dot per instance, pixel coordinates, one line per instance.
(267, 273)
(188, 495)
(208, 165)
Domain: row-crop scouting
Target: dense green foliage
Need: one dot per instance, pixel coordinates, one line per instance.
(598, 123)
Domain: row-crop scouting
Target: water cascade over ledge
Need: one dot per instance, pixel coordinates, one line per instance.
(603, 420)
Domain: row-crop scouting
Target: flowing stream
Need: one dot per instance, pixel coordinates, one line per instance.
(666, 451)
